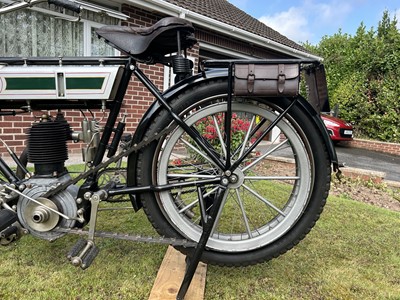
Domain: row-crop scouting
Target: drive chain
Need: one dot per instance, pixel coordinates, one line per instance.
(131, 237)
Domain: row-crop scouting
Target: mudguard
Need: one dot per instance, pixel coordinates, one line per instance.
(171, 93)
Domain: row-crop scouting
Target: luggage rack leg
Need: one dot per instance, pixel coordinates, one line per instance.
(193, 260)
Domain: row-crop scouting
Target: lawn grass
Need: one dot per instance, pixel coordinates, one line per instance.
(352, 253)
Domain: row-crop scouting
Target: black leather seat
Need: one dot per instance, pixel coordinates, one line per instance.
(150, 44)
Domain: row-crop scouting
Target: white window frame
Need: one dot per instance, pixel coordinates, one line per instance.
(87, 24)
(87, 37)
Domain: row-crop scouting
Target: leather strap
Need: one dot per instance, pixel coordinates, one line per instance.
(281, 78)
(251, 78)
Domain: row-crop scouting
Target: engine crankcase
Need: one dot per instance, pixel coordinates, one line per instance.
(39, 219)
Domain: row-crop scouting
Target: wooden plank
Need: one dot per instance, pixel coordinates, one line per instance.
(170, 276)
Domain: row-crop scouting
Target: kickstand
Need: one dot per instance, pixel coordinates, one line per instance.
(193, 260)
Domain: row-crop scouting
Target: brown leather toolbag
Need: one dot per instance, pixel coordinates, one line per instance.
(266, 79)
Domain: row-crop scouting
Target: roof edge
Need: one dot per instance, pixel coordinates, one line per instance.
(196, 18)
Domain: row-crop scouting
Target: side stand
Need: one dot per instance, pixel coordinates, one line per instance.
(193, 260)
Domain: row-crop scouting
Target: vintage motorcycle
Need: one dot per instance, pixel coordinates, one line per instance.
(200, 162)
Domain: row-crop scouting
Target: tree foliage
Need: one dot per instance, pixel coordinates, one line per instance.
(363, 74)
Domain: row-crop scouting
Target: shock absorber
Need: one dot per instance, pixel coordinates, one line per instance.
(182, 67)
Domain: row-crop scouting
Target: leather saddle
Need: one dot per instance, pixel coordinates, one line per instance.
(150, 44)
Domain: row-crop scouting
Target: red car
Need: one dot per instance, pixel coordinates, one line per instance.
(338, 129)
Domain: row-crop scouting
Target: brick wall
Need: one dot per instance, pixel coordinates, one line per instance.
(137, 99)
(390, 148)
(13, 128)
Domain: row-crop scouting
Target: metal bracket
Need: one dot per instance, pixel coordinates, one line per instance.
(95, 199)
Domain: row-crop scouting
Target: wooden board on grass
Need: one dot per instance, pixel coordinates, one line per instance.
(170, 276)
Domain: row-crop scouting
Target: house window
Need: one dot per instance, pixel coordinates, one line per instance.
(96, 46)
(44, 31)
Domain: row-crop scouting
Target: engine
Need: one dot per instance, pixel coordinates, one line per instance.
(47, 150)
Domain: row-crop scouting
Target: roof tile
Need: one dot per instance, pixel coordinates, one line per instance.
(224, 11)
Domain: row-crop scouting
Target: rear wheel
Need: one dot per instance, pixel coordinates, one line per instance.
(275, 195)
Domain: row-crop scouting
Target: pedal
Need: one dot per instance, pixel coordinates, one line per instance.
(7, 218)
(9, 235)
(83, 254)
(76, 249)
(89, 257)
(8, 232)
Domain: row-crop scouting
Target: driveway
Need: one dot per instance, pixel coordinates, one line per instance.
(360, 159)
(370, 160)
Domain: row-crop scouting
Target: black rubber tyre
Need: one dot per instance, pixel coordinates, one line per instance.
(270, 204)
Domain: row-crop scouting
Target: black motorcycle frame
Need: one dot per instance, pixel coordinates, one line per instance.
(213, 69)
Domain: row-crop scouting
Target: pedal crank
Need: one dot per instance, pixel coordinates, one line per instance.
(84, 252)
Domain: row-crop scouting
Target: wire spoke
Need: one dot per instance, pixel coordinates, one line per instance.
(192, 175)
(221, 140)
(264, 200)
(186, 165)
(198, 152)
(217, 218)
(271, 177)
(192, 204)
(246, 138)
(245, 220)
(261, 157)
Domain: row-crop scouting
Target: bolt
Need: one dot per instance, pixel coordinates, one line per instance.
(225, 181)
(87, 195)
(79, 200)
(228, 173)
(76, 261)
(233, 179)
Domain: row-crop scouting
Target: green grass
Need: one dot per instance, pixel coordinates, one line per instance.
(352, 253)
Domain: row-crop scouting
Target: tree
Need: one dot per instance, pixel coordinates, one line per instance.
(363, 75)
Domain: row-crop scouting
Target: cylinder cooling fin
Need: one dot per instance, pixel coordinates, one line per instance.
(47, 147)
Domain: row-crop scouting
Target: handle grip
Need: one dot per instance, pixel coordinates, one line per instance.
(72, 6)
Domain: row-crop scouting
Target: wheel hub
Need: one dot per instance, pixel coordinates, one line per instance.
(236, 179)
